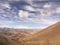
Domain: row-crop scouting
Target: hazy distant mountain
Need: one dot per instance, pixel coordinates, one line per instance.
(17, 34)
(11, 36)
(47, 36)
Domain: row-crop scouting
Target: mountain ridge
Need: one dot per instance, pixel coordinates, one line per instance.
(49, 35)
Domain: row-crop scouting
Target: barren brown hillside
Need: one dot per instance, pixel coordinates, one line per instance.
(4, 40)
(12, 37)
(48, 36)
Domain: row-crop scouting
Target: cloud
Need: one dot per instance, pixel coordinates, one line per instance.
(12, 24)
(2, 26)
(5, 22)
(45, 13)
(47, 5)
(49, 21)
(29, 8)
(58, 10)
(23, 14)
(14, 0)
(33, 12)
(42, 22)
(21, 27)
(5, 5)
(7, 13)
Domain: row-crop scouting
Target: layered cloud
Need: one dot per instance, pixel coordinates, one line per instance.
(32, 12)
(6, 5)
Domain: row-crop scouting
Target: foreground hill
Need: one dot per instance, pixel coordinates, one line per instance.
(48, 36)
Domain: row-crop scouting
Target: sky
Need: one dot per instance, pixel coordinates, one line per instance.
(29, 13)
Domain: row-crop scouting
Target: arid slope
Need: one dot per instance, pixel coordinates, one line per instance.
(48, 36)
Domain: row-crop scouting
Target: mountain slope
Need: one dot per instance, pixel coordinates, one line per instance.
(4, 40)
(48, 36)
(10, 36)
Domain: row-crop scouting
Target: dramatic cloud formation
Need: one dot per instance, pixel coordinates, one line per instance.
(29, 13)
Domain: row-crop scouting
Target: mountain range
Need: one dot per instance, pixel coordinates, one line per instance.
(47, 36)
